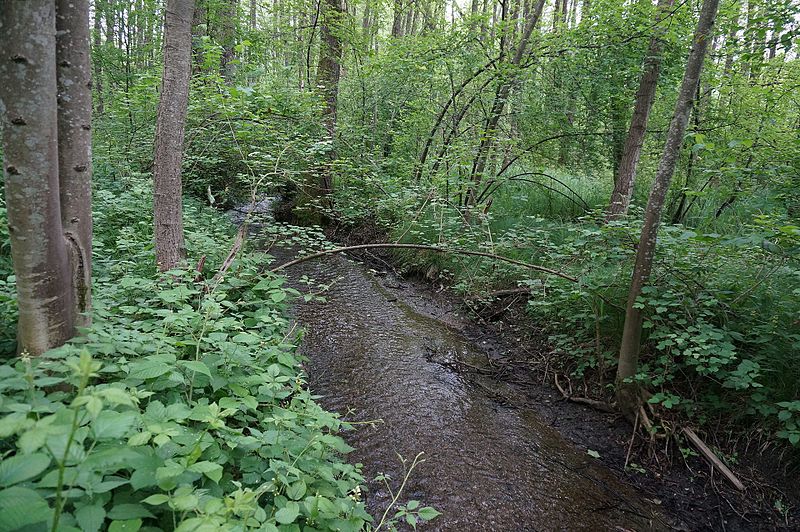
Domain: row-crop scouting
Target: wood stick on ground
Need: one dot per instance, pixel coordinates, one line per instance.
(715, 462)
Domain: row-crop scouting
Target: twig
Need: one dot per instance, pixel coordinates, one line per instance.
(630, 445)
(427, 248)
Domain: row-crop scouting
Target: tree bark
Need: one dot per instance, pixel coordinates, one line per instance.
(628, 394)
(74, 76)
(329, 71)
(645, 96)
(498, 105)
(227, 60)
(30, 143)
(97, 46)
(170, 131)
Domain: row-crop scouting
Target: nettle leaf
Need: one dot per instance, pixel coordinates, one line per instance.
(428, 513)
(148, 369)
(113, 425)
(196, 365)
(21, 507)
(90, 518)
(130, 525)
(296, 490)
(125, 512)
(209, 469)
(155, 500)
(21, 467)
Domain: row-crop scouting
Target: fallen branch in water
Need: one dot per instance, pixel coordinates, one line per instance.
(471, 253)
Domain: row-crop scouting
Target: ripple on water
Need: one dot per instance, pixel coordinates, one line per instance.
(488, 465)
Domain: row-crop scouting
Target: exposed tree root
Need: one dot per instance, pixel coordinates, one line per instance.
(599, 405)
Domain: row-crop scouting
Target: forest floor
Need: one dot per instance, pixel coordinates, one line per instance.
(691, 492)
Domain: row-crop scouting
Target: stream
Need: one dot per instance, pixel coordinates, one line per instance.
(382, 350)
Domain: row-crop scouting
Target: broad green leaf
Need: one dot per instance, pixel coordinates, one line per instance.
(158, 498)
(129, 525)
(123, 512)
(20, 507)
(90, 518)
(113, 425)
(21, 467)
(296, 490)
(148, 369)
(196, 365)
(427, 513)
(288, 513)
(209, 469)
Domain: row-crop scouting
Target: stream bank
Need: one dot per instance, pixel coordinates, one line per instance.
(684, 485)
(503, 448)
(398, 364)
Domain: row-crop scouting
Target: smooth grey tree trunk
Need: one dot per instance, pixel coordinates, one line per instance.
(645, 96)
(628, 393)
(170, 131)
(74, 76)
(30, 144)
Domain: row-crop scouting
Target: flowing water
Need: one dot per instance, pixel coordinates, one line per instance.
(375, 353)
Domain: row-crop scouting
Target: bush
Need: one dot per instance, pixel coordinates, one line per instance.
(183, 407)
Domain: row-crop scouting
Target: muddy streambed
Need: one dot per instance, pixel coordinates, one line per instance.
(375, 353)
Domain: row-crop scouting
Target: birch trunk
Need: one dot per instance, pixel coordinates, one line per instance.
(74, 76)
(30, 143)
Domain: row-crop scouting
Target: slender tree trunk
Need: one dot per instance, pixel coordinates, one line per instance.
(229, 17)
(498, 105)
(97, 47)
(74, 77)
(199, 30)
(328, 74)
(628, 394)
(170, 131)
(253, 18)
(39, 250)
(645, 96)
(397, 24)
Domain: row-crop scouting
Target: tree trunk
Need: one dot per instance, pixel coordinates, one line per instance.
(74, 77)
(628, 394)
(397, 23)
(253, 17)
(97, 45)
(229, 17)
(328, 73)
(170, 130)
(645, 96)
(30, 144)
(498, 105)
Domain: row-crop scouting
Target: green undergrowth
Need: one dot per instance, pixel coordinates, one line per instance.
(721, 338)
(183, 407)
